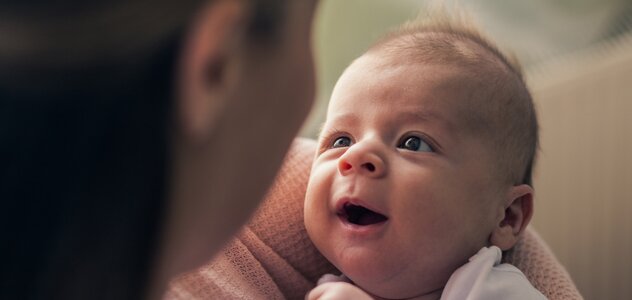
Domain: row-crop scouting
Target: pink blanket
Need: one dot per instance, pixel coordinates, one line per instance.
(272, 257)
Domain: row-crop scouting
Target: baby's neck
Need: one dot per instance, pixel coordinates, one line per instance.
(432, 295)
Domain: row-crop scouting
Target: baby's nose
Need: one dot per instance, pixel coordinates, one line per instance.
(361, 162)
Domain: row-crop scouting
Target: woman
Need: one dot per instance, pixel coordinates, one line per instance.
(137, 136)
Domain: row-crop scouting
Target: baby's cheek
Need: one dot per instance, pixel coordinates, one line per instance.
(315, 212)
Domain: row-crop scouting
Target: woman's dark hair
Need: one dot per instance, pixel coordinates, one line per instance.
(85, 113)
(83, 176)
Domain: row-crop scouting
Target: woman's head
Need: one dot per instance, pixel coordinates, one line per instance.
(97, 125)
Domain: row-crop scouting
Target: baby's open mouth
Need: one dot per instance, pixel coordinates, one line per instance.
(360, 215)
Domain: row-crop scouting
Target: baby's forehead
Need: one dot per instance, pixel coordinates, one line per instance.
(378, 78)
(440, 99)
(471, 68)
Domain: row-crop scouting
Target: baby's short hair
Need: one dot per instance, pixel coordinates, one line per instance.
(502, 109)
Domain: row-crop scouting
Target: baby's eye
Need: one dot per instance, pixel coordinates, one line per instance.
(340, 142)
(414, 143)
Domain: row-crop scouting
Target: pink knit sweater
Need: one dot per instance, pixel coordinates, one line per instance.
(272, 257)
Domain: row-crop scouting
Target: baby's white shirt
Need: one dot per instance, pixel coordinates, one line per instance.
(482, 278)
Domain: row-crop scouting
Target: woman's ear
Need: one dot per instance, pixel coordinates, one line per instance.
(207, 66)
(517, 213)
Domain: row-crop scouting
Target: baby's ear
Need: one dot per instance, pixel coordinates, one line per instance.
(518, 210)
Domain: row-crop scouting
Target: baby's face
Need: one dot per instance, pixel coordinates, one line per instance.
(400, 194)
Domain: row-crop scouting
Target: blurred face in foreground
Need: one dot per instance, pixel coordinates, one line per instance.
(246, 85)
(400, 194)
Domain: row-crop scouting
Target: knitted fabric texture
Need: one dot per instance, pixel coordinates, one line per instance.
(273, 258)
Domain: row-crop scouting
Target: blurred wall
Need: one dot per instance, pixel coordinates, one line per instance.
(533, 30)
(344, 30)
(584, 173)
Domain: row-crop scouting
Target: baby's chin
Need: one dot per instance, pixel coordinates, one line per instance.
(394, 283)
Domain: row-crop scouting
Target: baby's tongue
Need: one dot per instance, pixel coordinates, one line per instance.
(362, 216)
(371, 218)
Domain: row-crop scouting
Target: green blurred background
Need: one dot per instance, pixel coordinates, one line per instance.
(536, 31)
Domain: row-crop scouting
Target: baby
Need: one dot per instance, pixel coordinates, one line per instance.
(423, 170)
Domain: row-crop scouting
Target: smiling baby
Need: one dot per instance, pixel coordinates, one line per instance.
(423, 172)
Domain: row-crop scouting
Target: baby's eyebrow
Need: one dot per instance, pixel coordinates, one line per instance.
(420, 115)
(443, 128)
(337, 121)
(345, 119)
(425, 116)
(326, 133)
